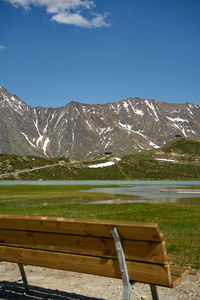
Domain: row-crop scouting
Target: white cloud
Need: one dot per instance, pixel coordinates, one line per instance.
(67, 11)
(78, 20)
(2, 47)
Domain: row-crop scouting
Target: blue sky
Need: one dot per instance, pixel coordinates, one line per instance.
(98, 51)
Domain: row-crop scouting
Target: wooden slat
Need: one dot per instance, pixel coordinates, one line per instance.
(177, 274)
(149, 273)
(175, 280)
(137, 250)
(128, 230)
(145, 251)
(179, 271)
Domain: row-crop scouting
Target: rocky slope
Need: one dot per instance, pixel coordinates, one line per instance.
(82, 130)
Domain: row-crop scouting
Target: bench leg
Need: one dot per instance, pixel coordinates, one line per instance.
(23, 274)
(154, 292)
(122, 263)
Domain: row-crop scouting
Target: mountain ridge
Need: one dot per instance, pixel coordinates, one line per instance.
(86, 130)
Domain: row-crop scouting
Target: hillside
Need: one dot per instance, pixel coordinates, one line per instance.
(83, 131)
(185, 146)
(178, 159)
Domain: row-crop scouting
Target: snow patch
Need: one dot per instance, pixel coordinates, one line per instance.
(39, 140)
(135, 110)
(45, 145)
(117, 158)
(165, 159)
(35, 122)
(153, 145)
(140, 133)
(104, 130)
(28, 139)
(153, 109)
(125, 104)
(102, 165)
(180, 128)
(191, 130)
(88, 124)
(177, 119)
(52, 117)
(58, 120)
(118, 108)
(14, 103)
(47, 124)
(190, 111)
(146, 138)
(126, 127)
(108, 143)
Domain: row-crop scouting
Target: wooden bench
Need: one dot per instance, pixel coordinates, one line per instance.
(134, 252)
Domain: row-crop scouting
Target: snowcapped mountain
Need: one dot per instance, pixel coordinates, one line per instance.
(83, 130)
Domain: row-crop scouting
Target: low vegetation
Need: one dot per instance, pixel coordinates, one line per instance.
(187, 146)
(42, 195)
(10, 163)
(179, 159)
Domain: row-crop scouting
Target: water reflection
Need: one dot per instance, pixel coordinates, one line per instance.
(158, 192)
(153, 201)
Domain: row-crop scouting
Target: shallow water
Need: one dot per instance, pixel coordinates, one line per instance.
(102, 182)
(155, 191)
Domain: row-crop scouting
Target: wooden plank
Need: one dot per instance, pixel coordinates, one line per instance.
(145, 251)
(149, 273)
(177, 274)
(175, 280)
(137, 250)
(128, 230)
(179, 271)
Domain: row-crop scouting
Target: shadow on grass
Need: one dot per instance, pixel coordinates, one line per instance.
(15, 290)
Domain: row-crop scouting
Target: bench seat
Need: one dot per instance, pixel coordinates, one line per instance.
(88, 246)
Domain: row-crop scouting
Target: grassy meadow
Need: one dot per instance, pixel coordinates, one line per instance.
(179, 223)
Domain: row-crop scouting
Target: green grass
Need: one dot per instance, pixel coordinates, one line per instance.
(183, 146)
(179, 223)
(12, 162)
(29, 195)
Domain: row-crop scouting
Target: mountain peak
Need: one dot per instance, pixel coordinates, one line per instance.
(83, 130)
(12, 102)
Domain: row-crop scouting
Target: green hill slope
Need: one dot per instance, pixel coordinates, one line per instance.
(183, 146)
(179, 159)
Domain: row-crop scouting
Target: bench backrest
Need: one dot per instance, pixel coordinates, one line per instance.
(85, 246)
